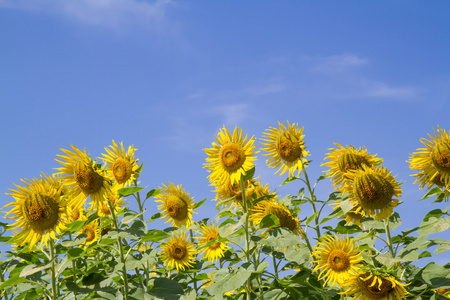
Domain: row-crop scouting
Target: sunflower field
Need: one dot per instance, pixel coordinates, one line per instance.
(73, 234)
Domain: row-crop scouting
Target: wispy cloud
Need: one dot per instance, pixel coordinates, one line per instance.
(334, 63)
(105, 13)
(233, 113)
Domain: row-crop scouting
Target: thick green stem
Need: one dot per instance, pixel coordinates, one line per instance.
(311, 197)
(247, 237)
(52, 257)
(388, 237)
(195, 273)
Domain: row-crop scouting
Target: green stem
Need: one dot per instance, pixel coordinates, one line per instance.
(275, 265)
(311, 197)
(52, 257)
(122, 258)
(388, 237)
(247, 244)
(73, 271)
(195, 273)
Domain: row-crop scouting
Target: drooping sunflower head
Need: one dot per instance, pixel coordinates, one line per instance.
(285, 148)
(344, 159)
(229, 189)
(268, 207)
(92, 231)
(337, 257)
(39, 210)
(83, 175)
(121, 165)
(178, 252)
(433, 161)
(208, 233)
(365, 285)
(373, 189)
(176, 205)
(114, 199)
(230, 157)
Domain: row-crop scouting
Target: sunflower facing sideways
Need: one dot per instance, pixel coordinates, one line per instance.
(285, 148)
(338, 257)
(92, 231)
(368, 286)
(178, 252)
(83, 175)
(433, 162)
(229, 190)
(344, 159)
(373, 189)
(176, 205)
(39, 210)
(207, 233)
(114, 199)
(230, 157)
(121, 164)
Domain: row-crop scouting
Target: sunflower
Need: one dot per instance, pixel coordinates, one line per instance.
(353, 216)
(287, 220)
(285, 147)
(230, 189)
(444, 292)
(176, 205)
(121, 164)
(262, 191)
(215, 251)
(433, 162)
(231, 157)
(365, 285)
(344, 159)
(112, 197)
(178, 252)
(373, 189)
(83, 175)
(337, 257)
(39, 210)
(92, 231)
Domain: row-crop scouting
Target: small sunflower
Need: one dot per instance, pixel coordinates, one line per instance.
(176, 205)
(287, 220)
(40, 211)
(178, 252)
(215, 251)
(231, 189)
(433, 162)
(365, 285)
(231, 157)
(116, 201)
(285, 147)
(344, 159)
(83, 175)
(373, 189)
(121, 164)
(92, 231)
(337, 257)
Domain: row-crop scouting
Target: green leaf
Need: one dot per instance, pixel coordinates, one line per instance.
(154, 217)
(166, 289)
(155, 235)
(75, 252)
(280, 237)
(80, 239)
(289, 179)
(434, 225)
(199, 204)
(269, 221)
(124, 192)
(346, 205)
(312, 217)
(436, 276)
(248, 174)
(152, 193)
(274, 294)
(229, 282)
(229, 229)
(334, 214)
(130, 217)
(13, 281)
(431, 192)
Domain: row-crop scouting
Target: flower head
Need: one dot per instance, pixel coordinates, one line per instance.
(232, 190)
(344, 159)
(176, 205)
(92, 231)
(230, 157)
(207, 233)
(337, 257)
(121, 165)
(178, 252)
(285, 148)
(114, 199)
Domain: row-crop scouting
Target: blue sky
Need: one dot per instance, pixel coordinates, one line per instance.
(165, 76)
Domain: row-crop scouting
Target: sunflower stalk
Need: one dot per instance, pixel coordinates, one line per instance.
(53, 270)
(388, 237)
(311, 200)
(195, 273)
(247, 237)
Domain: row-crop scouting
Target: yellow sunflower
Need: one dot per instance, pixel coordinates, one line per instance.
(373, 189)
(262, 191)
(268, 207)
(337, 257)
(444, 292)
(116, 201)
(92, 231)
(215, 251)
(231, 157)
(433, 162)
(83, 175)
(344, 159)
(285, 147)
(176, 205)
(178, 252)
(121, 165)
(365, 285)
(231, 189)
(352, 217)
(39, 210)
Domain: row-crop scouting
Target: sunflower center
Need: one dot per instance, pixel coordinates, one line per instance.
(75, 214)
(176, 207)
(90, 232)
(377, 290)
(41, 212)
(338, 260)
(373, 191)
(121, 170)
(232, 156)
(289, 148)
(177, 251)
(104, 208)
(211, 237)
(441, 157)
(351, 161)
(87, 179)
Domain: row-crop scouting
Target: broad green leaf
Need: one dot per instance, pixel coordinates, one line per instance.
(74, 253)
(153, 193)
(75, 242)
(229, 282)
(431, 192)
(280, 237)
(436, 276)
(274, 294)
(199, 204)
(130, 217)
(269, 221)
(229, 229)
(166, 289)
(311, 217)
(334, 214)
(13, 281)
(442, 248)
(289, 179)
(155, 217)
(434, 225)
(248, 174)
(124, 192)
(346, 205)
(155, 235)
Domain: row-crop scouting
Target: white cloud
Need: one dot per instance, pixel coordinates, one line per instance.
(233, 113)
(381, 89)
(105, 13)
